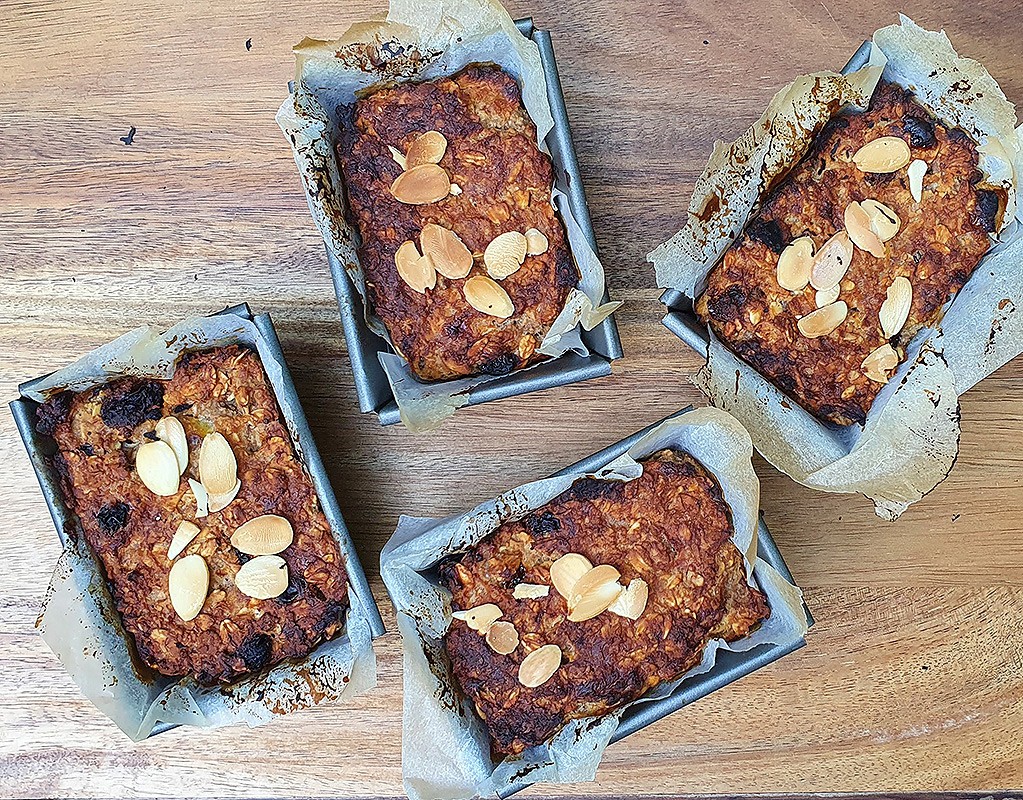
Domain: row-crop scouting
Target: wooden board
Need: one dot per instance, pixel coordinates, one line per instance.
(912, 679)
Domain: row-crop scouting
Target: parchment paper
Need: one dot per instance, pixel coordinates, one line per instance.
(445, 752)
(911, 436)
(80, 622)
(422, 41)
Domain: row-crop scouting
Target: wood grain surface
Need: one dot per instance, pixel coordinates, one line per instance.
(912, 679)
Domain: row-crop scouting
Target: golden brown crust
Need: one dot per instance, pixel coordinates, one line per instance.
(506, 186)
(129, 528)
(670, 527)
(940, 243)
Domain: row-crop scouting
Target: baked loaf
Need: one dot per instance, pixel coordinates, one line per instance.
(857, 195)
(469, 163)
(665, 536)
(99, 435)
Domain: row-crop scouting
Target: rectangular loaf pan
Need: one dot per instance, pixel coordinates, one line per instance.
(371, 386)
(40, 451)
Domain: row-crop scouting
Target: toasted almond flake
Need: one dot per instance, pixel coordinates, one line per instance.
(183, 537)
(416, 270)
(187, 584)
(530, 591)
(218, 468)
(262, 577)
(505, 254)
(886, 154)
(916, 172)
(448, 254)
(399, 159)
(536, 242)
(455, 190)
(883, 220)
(825, 297)
(795, 263)
(539, 666)
(487, 297)
(857, 225)
(566, 572)
(832, 261)
(824, 320)
(263, 536)
(202, 499)
(479, 618)
(420, 185)
(170, 430)
(880, 362)
(157, 467)
(427, 148)
(593, 593)
(218, 502)
(632, 601)
(895, 308)
(502, 637)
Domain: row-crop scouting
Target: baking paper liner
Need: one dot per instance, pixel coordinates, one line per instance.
(80, 622)
(423, 41)
(911, 436)
(445, 749)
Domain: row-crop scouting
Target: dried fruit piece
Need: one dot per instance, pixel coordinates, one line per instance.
(825, 297)
(448, 254)
(183, 537)
(886, 154)
(505, 254)
(824, 320)
(536, 242)
(593, 593)
(420, 185)
(263, 536)
(566, 572)
(479, 618)
(539, 666)
(157, 467)
(857, 225)
(916, 172)
(218, 468)
(187, 584)
(487, 297)
(218, 502)
(399, 159)
(427, 148)
(262, 577)
(795, 263)
(202, 498)
(832, 261)
(895, 308)
(883, 220)
(880, 362)
(632, 601)
(416, 270)
(502, 637)
(171, 431)
(530, 591)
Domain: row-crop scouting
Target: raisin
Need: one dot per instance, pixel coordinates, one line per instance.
(88, 449)
(130, 402)
(728, 305)
(180, 408)
(51, 413)
(767, 232)
(919, 130)
(541, 524)
(256, 651)
(985, 214)
(113, 516)
(296, 585)
(501, 365)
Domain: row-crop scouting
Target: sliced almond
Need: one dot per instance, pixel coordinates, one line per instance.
(170, 430)
(883, 220)
(824, 320)
(895, 308)
(157, 467)
(448, 254)
(399, 159)
(420, 185)
(479, 618)
(262, 577)
(632, 601)
(539, 666)
(427, 148)
(218, 502)
(825, 297)
(566, 572)
(455, 190)
(218, 468)
(183, 537)
(857, 225)
(593, 593)
(487, 297)
(202, 498)
(536, 242)
(916, 172)
(530, 591)
(416, 270)
(502, 637)
(505, 254)
(187, 584)
(832, 261)
(263, 536)
(880, 362)
(795, 263)
(886, 154)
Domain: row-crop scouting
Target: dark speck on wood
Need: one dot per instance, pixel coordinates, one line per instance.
(130, 137)
(248, 44)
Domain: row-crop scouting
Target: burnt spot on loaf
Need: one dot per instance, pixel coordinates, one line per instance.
(132, 401)
(728, 305)
(256, 651)
(593, 489)
(985, 215)
(54, 411)
(541, 524)
(113, 516)
(768, 233)
(501, 365)
(919, 130)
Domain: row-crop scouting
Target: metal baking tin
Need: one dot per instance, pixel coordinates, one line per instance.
(681, 319)
(41, 449)
(728, 666)
(603, 342)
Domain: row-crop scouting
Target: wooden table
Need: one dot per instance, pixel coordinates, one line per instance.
(912, 678)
